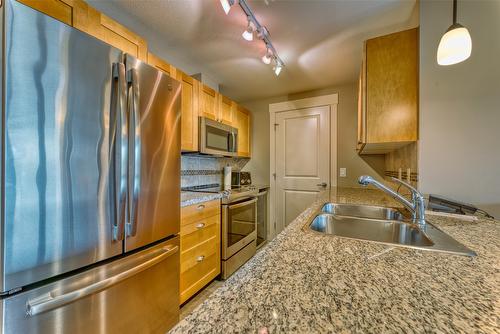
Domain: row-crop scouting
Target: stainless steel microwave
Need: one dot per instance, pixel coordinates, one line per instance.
(218, 138)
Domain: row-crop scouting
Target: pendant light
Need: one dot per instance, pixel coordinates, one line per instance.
(456, 44)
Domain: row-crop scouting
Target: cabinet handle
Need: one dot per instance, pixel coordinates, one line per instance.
(200, 258)
(200, 207)
(200, 226)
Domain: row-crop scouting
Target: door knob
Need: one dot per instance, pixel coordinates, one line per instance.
(323, 184)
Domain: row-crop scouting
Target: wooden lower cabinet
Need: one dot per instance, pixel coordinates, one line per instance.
(200, 247)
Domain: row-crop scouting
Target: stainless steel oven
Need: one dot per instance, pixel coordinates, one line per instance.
(239, 233)
(217, 138)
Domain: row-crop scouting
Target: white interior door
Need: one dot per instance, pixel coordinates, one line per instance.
(302, 160)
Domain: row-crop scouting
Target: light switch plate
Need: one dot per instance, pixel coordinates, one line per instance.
(343, 172)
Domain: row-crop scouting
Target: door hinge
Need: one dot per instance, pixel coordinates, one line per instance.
(274, 176)
(275, 125)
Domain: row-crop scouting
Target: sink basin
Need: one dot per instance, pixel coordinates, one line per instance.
(392, 232)
(383, 225)
(364, 211)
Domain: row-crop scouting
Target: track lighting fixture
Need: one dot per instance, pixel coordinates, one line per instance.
(268, 56)
(277, 67)
(226, 5)
(254, 27)
(248, 33)
(455, 45)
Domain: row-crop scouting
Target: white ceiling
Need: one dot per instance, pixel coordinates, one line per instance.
(319, 41)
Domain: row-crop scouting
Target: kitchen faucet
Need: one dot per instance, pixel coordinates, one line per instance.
(416, 206)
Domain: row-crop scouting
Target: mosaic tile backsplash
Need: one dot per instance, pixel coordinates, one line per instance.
(198, 170)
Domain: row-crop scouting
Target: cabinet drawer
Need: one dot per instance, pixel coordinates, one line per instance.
(199, 266)
(199, 232)
(196, 212)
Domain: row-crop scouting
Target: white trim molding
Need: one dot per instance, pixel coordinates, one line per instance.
(325, 100)
(310, 102)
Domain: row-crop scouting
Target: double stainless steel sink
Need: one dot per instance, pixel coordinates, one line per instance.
(383, 225)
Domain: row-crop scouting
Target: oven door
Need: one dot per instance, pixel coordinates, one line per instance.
(217, 138)
(239, 226)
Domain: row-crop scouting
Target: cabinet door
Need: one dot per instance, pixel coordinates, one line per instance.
(189, 118)
(392, 87)
(120, 37)
(362, 105)
(242, 117)
(65, 11)
(208, 102)
(161, 65)
(226, 107)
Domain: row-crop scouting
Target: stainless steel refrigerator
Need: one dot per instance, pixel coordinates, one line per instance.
(90, 167)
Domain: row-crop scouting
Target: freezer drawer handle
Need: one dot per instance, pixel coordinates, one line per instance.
(51, 301)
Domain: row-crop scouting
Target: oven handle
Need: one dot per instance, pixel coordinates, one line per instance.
(239, 205)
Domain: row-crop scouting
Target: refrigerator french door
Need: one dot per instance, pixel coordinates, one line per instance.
(90, 188)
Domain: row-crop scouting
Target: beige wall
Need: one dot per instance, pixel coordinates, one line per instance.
(346, 148)
(459, 149)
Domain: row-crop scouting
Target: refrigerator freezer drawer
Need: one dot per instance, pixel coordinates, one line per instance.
(135, 294)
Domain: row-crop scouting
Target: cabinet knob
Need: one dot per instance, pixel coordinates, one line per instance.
(200, 258)
(200, 225)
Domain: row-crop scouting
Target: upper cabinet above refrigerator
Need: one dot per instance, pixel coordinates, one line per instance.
(78, 14)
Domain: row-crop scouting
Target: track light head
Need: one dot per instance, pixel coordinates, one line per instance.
(226, 5)
(268, 56)
(248, 33)
(278, 67)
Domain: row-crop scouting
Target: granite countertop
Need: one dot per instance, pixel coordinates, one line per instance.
(191, 197)
(302, 282)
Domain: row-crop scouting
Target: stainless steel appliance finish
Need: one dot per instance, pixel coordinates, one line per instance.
(239, 230)
(154, 146)
(262, 217)
(363, 211)
(58, 165)
(402, 233)
(135, 294)
(217, 138)
(91, 170)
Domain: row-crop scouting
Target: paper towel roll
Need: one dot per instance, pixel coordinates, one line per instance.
(227, 177)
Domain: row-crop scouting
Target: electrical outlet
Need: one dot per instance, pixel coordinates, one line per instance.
(343, 172)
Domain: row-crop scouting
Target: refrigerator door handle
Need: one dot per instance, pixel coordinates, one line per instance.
(135, 150)
(51, 301)
(119, 101)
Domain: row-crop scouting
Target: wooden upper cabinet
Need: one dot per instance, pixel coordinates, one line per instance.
(190, 106)
(226, 106)
(117, 35)
(78, 14)
(66, 11)
(243, 124)
(208, 102)
(388, 102)
(161, 65)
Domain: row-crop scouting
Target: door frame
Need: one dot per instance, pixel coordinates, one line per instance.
(331, 101)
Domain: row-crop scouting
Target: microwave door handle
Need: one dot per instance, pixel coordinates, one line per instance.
(119, 138)
(229, 142)
(51, 300)
(233, 135)
(134, 151)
